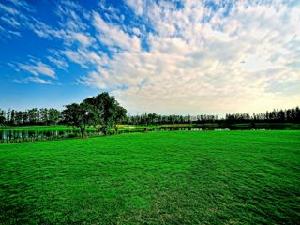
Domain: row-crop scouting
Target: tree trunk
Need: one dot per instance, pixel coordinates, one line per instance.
(82, 131)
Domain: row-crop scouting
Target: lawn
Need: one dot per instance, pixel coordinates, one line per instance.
(178, 177)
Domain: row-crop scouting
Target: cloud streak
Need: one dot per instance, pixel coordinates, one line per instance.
(37, 68)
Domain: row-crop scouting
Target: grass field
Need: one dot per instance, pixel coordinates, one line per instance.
(214, 177)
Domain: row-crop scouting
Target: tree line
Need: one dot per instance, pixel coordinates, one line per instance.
(280, 116)
(157, 119)
(289, 115)
(33, 116)
(104, 112)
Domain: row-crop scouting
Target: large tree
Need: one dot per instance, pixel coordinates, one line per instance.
(76, 115)
(102, 111)
(105, 112)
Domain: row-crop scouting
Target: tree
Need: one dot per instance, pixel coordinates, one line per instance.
(54, 116)
(25, 117)
(104, 112)
(106, 108)
(297, 114)
(19, 118)
(121, 114)
(12, 117)
(33, 116)
(76, 115)
(44, 116)
(2, 117)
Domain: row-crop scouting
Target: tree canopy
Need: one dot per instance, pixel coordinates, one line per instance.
(102, 111)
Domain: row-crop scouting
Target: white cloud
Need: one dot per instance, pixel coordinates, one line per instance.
(11, 21)
(8, 9)
(38, 80)
(14, 15)
(68, 35)
(114, 36)
(225, 63)
(86, 58)
(189, 59)
(33, 80)
(137, 6)
(83, 39)
(38, 68)
(58, 62)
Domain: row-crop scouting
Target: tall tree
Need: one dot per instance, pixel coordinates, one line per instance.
(43, 116)
(76, 115)
(12, 117)
(25, 117)
(33, 116)
(19, 118)
(105, 111)
(2, 117)
(54, 116)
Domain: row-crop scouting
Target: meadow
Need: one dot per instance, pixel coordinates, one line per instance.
(163, 177)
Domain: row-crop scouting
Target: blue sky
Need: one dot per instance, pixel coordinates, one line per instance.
(211, 56)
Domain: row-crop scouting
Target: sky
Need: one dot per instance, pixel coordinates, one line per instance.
(189, 56)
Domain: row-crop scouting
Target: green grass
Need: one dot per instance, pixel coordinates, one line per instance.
(215, 177)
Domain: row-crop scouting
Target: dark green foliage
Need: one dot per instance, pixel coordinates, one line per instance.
(97, 106)
(33, 116)
(109, 112)
(76, 115)
(2, 117)
(217, 177)
(277, 116)
(30, 117)
(54, 116)
(104, 112)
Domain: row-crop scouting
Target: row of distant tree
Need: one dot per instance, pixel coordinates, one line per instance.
(104, 112)
(157, 119)
(30, 117)
(51, 116)
(289, 115)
